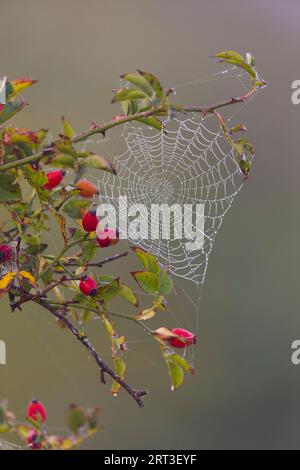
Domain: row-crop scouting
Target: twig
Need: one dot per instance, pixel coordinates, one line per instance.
(137, 395)
(57, 283)
(210, 109)
(99, 264)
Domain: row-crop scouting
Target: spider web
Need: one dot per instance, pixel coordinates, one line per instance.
(192, 163)
(189, 163)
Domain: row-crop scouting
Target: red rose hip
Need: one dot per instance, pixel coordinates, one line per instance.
(36, 411)
(188, 338)
(88, 286)
(107, 237)
(90, 221)
(54, 179)
(6, 253)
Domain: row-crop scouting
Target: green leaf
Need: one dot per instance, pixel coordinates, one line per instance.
(46, 275)
(108, 292)
(127, 293)
(36, 178)
(232, 57)
(98, 162)
(40, 135)
(11, 109)
(182, 362)
(139, 81)
(120, 369)
(128, 94)
(175, 371)
(9, 90)
(237, 128)
(147, 280)
(76, 418)
(34, 246)
(62, 160)
(74, 208)
(245, 165)
(165, 283)
(9, 189)
(130, 107)
(154, 83)
(152, 122)
(64, 145)
(83, 300)
(149, 261)
(2, 413)
(68, 129)
(159, 303)
(108, 326)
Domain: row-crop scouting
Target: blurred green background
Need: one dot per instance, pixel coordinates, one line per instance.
(246, 391)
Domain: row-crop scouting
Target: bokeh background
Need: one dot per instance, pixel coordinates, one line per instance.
(246, 392)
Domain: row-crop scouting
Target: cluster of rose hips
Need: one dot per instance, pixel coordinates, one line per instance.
(106, 237)
(36, 411)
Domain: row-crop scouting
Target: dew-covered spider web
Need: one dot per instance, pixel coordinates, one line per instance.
(191, 165)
